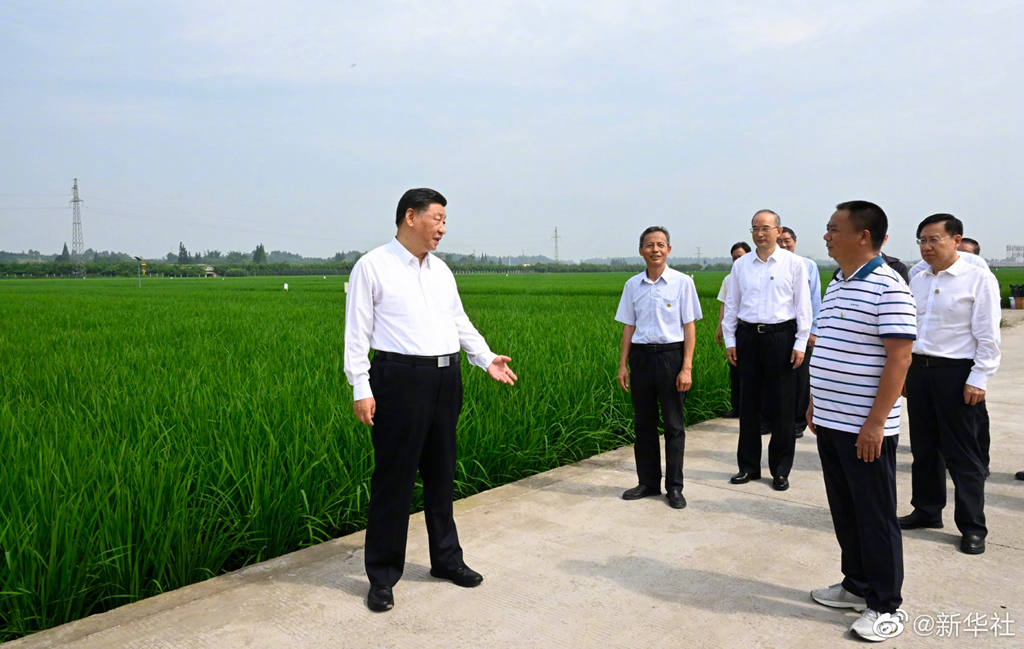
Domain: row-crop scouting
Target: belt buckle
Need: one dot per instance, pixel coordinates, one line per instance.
(760, 328)
(443, 361)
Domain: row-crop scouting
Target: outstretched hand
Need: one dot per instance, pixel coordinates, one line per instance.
(500, 371)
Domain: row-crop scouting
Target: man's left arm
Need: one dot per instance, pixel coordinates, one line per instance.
(985, 329)
(894, 374)
(477, 351)
(689, 312)
(814, 287)
(802, 305)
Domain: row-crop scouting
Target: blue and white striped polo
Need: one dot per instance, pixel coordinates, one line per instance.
(846, 367)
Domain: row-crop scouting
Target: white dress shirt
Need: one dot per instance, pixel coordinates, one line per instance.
(659, 309)
(723, 293)
(958, 317)
(768, 292)
(972, 259)
(395, 304)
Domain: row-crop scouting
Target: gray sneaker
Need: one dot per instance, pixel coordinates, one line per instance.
(838, 597)
(877, 627)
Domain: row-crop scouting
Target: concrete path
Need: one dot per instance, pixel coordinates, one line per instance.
(568, 563)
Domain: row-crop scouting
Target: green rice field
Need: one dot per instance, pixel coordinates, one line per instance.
(152, 438)
(156, 437)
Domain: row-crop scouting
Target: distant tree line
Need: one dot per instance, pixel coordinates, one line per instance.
(251, 268)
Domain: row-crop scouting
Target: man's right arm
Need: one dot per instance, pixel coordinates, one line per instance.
(625, 314)
(358, 327)
(730, 317)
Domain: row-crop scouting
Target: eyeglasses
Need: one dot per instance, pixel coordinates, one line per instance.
(931, 241)
(764, 229)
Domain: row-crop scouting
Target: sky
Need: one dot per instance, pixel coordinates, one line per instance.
(299, 125)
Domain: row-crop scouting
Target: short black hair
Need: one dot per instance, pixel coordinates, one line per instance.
(977, 246)
(789, 231)
(417, 200)
(867, 216)
(655, 228)
(740, 244)
(952, 224)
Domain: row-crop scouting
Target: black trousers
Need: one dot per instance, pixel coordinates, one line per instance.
(763, 360)
(414, 429)
(944, 435)
(734, 386)
(862, 499)
(803, 391)
(652, 381)
(984, 435)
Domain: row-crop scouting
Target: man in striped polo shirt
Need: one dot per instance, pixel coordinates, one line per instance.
(866, 329)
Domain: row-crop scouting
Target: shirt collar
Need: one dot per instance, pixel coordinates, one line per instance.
(406, 257)
(866, 269)
(953, 270)
(645, 279)
(776, 255)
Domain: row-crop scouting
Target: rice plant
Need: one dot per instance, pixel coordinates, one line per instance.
(152, 438)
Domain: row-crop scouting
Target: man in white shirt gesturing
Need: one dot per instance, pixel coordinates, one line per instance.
(403, 303)
(766, 326)
(659, 309)
(956, 351)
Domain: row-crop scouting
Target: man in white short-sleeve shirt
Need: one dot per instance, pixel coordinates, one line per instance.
(659, 309)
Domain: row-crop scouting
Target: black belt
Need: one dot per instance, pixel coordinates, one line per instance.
(935, 361)
(427, 361)
(663, 347)
(765, 328)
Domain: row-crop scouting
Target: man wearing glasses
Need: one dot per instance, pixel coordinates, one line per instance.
(766, 326)
(956, 351)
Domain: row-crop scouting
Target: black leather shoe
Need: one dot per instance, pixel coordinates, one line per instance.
(732, 414)
(675, 498)
(640, 491)
(380, 599)
(798, 433)
(780, 483)
(464, 576)
(988, 473)
(743, 477)
(1019, 475)
(972, 544)
(766, 431)
(917, 520)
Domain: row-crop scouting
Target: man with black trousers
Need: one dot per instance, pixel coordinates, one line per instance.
(956, 351)
(865, 334)
(787, 240)
(403, 303)
(739, 249)
(766, 326)
(658, 309)
(972, 247)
